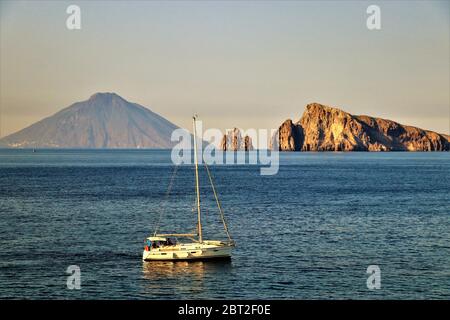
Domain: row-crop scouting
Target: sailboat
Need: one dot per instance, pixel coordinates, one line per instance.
(166, 247)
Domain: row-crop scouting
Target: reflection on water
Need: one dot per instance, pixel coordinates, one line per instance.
(166, 269)
(180, 277)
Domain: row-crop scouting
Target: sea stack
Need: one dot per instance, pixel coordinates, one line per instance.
(233, 141)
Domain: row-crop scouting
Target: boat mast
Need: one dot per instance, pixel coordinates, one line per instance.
(199, 222)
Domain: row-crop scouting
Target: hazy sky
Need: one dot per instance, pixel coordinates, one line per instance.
(235, 63)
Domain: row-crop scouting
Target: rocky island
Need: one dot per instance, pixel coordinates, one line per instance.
(324, 128)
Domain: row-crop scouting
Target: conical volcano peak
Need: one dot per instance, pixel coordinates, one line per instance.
(105, 120)
(105, 97)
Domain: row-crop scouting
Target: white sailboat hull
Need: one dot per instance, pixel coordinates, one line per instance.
(189, 251)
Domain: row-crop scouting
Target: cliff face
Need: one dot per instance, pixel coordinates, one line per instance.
(290, 137)
(323, 128)
(233, 141)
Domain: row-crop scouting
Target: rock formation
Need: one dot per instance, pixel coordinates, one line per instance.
(233, 141)
(248, 145)
(323, 128)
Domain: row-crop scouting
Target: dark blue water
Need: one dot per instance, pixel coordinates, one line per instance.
(308, 232)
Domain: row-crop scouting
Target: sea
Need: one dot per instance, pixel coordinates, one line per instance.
(350, 225)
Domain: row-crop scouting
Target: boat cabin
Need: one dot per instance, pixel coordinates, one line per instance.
(158, 242)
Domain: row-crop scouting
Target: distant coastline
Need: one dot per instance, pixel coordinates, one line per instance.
(108, 121)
